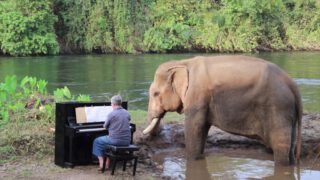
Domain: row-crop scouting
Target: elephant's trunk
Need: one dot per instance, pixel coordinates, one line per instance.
(152, 125)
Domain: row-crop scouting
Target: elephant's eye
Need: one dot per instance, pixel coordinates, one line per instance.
(156, 94)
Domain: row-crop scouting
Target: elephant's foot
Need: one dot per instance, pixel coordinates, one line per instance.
(281, 154)
(282, 160)
(194, 156)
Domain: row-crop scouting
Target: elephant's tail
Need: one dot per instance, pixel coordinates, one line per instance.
(298, 107)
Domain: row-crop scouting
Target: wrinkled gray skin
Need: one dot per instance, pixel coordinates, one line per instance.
(238, 94)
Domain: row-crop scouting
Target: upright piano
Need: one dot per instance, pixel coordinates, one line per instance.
(73, 141)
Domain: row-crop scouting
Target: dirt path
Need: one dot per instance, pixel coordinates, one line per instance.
(30, 168)
(170, 139)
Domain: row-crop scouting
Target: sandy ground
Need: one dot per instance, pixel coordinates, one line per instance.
(171, 137)
(29, 168)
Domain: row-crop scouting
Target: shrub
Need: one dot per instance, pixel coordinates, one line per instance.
(17, 99)
(26, 27)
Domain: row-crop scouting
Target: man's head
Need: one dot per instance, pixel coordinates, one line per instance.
(116, 100)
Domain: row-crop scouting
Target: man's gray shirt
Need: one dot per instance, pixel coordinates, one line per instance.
(118, 125)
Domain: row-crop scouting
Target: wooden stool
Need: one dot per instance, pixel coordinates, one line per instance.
(120, 153)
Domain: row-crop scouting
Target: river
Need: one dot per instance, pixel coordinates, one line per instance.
(101, 76)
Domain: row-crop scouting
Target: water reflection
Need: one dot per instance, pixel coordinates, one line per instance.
(223, 167)
(197, 170)
(284, 173)
(174, 168)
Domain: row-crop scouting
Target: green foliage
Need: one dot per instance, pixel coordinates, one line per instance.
(73, 20)
(122, 25)
(16, 99)
(233, 25)
(64, 94)
(26, 27)
(30, 85)
(303, 24)
(230, 26)
(61, 94)
(7, 94)
(99, 33)
(173, 22)
(83, 98)
(248, 24)
(130, 26)
(14, 96)
(106, 26)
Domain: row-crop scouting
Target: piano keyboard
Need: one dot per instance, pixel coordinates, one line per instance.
(92, 129)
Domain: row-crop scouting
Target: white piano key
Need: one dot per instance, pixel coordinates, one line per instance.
(91, 129)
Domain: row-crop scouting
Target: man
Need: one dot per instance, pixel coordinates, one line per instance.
(118, 125)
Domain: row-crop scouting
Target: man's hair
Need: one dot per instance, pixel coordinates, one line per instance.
(116, 100)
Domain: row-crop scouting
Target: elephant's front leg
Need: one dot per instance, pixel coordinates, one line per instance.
(196, 131)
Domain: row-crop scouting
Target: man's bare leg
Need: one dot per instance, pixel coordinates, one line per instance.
(100, 158)
(107, 163)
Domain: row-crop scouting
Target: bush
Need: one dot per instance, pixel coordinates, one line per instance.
(18, 99)
(303, 24)
(26, 27)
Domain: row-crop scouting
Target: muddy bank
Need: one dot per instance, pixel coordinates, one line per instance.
(172, 137)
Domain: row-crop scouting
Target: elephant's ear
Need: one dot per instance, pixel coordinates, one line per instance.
(179, 79)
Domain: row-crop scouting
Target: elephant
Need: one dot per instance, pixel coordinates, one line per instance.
(241, 95)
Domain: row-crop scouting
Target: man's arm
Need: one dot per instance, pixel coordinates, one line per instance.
(107, 122)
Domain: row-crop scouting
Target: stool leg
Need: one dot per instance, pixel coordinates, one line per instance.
(113, 166)
(135, 165)
(104, 164)
(124, 165)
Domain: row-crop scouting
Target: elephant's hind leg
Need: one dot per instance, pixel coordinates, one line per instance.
(281, 146)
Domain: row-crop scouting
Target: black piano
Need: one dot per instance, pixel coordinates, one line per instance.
(73, 141)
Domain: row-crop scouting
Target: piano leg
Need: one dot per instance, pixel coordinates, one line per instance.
(71, 154)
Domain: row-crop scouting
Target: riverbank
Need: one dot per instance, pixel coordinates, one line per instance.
(169, 142)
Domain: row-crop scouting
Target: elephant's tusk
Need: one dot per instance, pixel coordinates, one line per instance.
(151, 126)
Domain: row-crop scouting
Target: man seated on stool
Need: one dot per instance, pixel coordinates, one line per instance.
(118, 125)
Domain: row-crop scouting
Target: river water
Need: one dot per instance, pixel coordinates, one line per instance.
(229, 164)
(101, 76)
